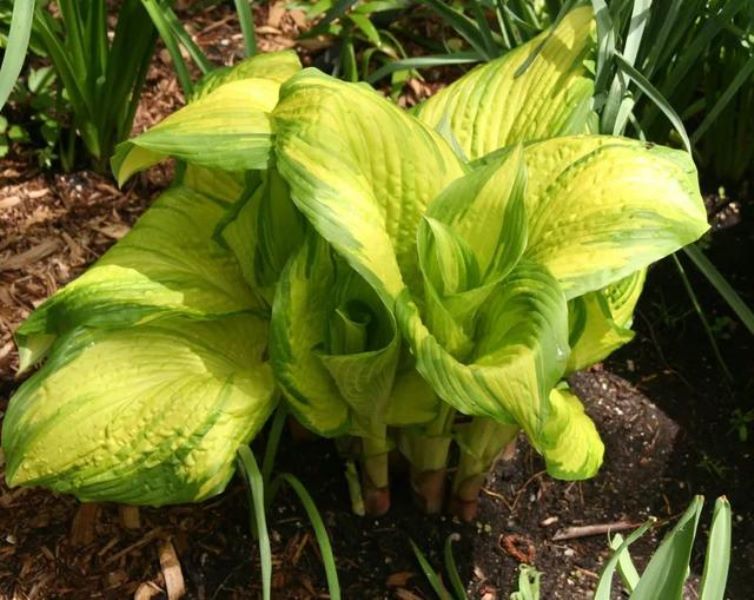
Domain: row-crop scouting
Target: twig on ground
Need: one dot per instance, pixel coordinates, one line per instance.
(579, 531)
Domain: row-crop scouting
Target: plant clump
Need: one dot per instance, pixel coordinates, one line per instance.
(400, 280)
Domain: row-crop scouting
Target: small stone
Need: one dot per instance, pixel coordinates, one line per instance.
(569, 552)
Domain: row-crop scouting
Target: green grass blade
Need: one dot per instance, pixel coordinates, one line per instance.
(626, 568)
(605, 44)
(605, 582)
(336, 11)
(249, 468)
(65, 69)
(246, 19)
(717, 559)
(721, 284)
(462, 25)
(366, 27)
(320, 532)
(194, 51)
(452, 569)
(703, 318)
(75, 42)
(128, 61)
(690, 55)
(660, 38)
(157, 14)
(15, 50)
(656, 97)
(423, 62)
(743, 76)
(639, 17)
(273, 442)
(668, 568)
(619, 105)
(485, 33)
(432, 577)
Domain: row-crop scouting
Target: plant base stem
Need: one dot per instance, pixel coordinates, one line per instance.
(482, 441)
(429, 489)
(299, 433)
(375, 482)
(427, 452)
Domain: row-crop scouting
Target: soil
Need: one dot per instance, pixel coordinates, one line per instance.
(663, 405)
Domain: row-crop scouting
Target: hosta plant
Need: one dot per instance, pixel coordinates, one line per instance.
(403, 279)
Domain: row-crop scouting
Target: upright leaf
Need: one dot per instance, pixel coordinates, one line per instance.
(668, 569)
(519, 355)
(495, 106)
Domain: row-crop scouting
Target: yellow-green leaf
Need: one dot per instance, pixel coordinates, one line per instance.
(228, 129)
(362, 171)
(495, 105)
(277, 66)
(600, 321)
(520, 353)
(601, 208)
(151, 414)
(167, 264)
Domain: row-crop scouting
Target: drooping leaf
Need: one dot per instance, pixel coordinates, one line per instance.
(228, 129)
(600, 322)
(495, 105)
(601, 208)
(166, 265)
(151, 414)
(362, 171)
(277, 66)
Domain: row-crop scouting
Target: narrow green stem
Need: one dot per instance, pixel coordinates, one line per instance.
(354, 489)
(246, 19)
(481, 442)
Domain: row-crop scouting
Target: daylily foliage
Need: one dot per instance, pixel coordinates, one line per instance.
(383, 269)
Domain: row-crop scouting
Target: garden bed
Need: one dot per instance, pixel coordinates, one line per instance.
(662, 405)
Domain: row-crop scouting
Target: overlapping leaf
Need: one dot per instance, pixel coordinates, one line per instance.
(362, 171)
(226, 126)
(145, 415)
(167, 264)
(496, 105)
(601, 321)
